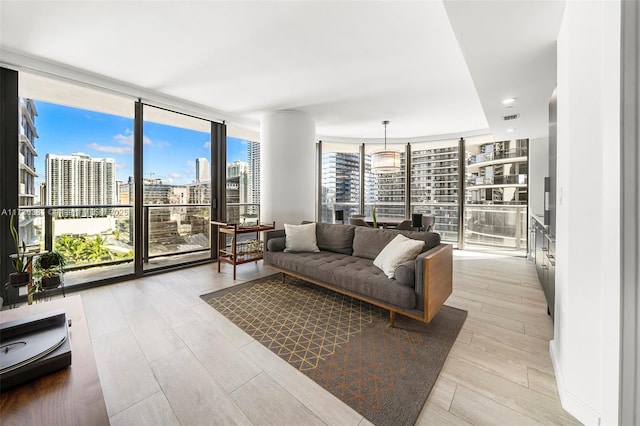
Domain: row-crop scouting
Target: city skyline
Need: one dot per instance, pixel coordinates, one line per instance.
(64, 130)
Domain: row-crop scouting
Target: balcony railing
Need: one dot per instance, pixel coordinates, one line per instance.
(243, 213)
(102, 235)
(176, 229)
(496, 226)
(497, 155)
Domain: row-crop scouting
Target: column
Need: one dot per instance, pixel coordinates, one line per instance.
(287, 178)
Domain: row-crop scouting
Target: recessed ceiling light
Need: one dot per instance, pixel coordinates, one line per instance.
(511, 130)
(508, 101)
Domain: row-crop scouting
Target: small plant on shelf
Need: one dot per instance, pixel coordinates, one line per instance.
(20, 259)
(49, 268)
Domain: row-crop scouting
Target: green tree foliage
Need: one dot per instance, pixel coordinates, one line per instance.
(83, 249)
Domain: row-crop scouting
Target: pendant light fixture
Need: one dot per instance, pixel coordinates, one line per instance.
(385, 161)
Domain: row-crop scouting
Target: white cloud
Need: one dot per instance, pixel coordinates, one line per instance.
(175, 175)
(110, 149)
(191, 163)
(126, 144)
(207, 144)
(126, 140)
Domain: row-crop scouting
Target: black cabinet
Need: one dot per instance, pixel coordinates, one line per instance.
(550, 286)
(545, 261)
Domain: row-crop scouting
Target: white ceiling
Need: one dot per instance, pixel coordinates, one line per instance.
(431, 68)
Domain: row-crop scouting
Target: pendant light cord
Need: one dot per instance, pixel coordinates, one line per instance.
(385, 122)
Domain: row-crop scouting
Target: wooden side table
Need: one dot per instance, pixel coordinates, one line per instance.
(236, 252)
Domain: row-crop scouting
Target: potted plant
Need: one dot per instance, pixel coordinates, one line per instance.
(49, 268)
(20, 259)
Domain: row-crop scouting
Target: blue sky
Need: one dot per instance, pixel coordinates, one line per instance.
(169, 152)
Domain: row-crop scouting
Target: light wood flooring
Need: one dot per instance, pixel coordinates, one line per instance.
(167, 358)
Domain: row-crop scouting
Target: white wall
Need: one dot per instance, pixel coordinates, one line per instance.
(585, 350)
(287, 175)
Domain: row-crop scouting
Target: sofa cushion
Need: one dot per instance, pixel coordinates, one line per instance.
(347, 272)
(335, 238)
(300, 238)
(369, 242)
(406, 273)
(399, 250)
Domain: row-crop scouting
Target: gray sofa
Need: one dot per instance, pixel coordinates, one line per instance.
(345, 264)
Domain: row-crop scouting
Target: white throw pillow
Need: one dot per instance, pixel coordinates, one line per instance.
(398, 251)
(300, 237)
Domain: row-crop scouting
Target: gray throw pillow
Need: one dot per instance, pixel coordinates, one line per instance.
(335, 238)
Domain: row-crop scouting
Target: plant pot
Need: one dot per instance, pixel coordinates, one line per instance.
(18, 278)
(50, 282)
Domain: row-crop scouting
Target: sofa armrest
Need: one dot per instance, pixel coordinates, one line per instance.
(273, 235)
(434, 279)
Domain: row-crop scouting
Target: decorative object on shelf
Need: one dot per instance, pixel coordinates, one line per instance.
(21, 261)
(385, 161)
(49, 267)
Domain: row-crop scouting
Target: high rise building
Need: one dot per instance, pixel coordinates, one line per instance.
(434, 187)
(27, 172)
(340, 184)
(202, 170)
(236, 189)
(79, 180)
(253, 172)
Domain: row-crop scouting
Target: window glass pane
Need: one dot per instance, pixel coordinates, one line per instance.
(496, 195)
(340, 182)
(75, 153)
(434, 185)
(243, 181)
(385, 191)
(177, 187)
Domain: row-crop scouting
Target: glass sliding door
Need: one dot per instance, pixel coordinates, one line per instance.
(434, 185)
(75, 158)
(340, 182)
(496, 196)
(176, 188)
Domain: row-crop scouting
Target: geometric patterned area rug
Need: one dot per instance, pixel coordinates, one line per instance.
(345, 345)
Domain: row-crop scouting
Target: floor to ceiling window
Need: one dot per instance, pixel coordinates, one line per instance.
(493, 205)
(243, 181)
(75, 155)
(385, 191)
(176, 187)
(496, 196)
(434, 185)
(340, 181)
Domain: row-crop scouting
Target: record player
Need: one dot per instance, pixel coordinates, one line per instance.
(33, 347)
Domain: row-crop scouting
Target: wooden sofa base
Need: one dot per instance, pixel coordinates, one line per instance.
(438, 286)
